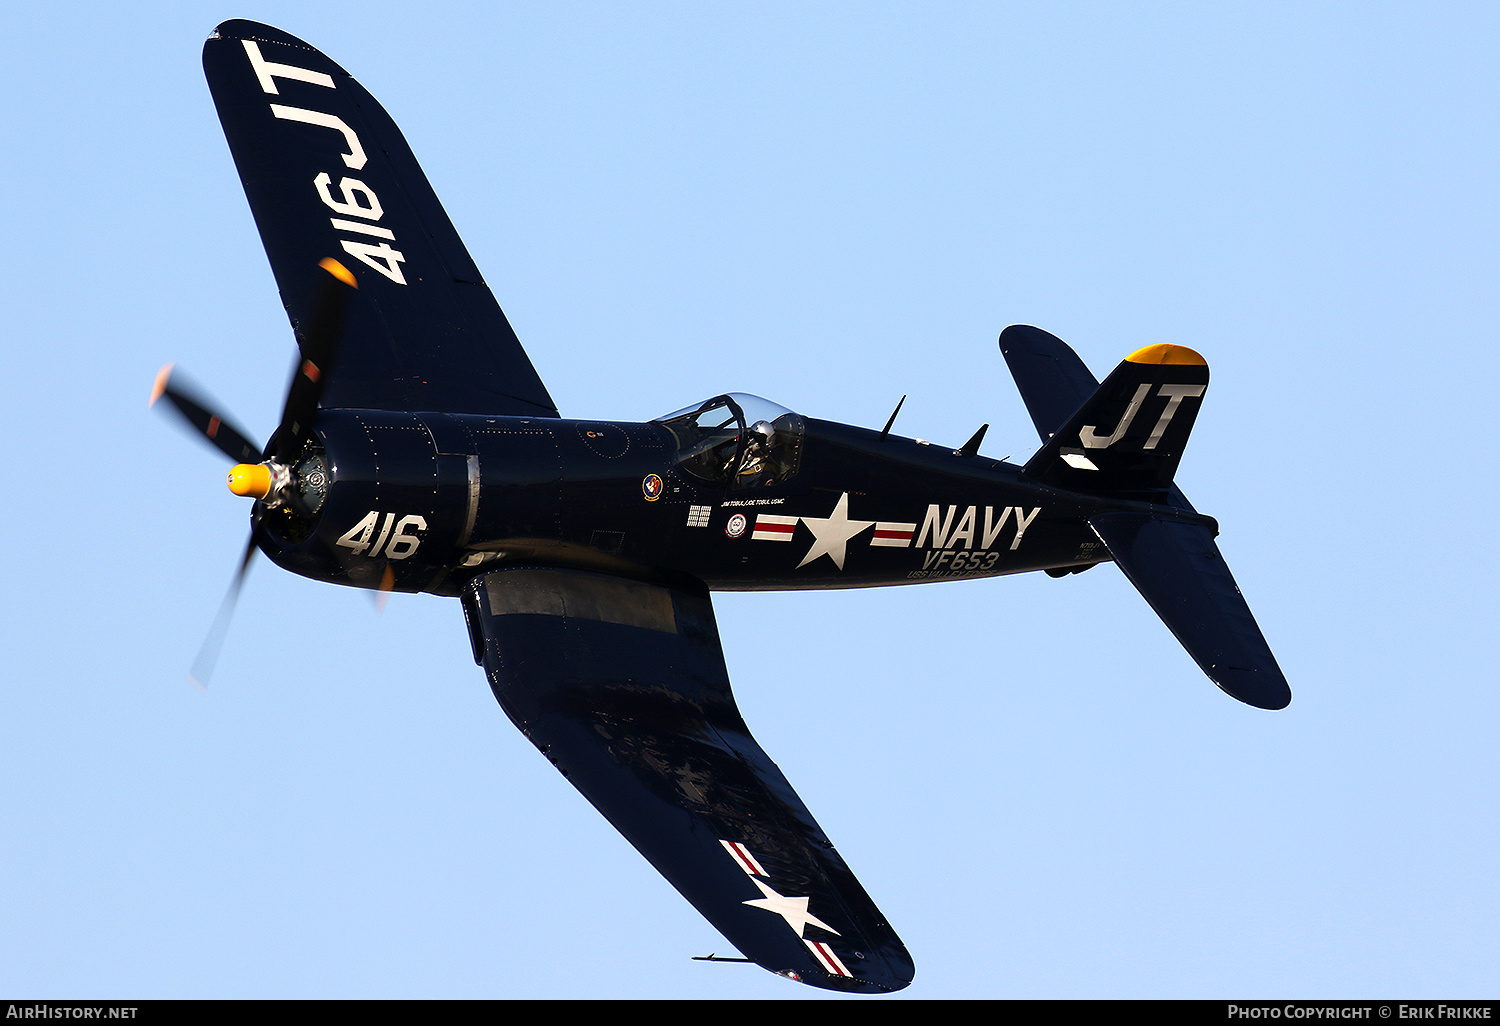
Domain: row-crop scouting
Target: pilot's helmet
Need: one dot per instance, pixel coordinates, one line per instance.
(762, 431)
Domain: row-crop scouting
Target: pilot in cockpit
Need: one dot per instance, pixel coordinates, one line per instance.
(758, 448)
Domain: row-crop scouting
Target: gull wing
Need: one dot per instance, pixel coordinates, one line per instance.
(328, 174)
(622, 686)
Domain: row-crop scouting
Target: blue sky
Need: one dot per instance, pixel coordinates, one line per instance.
(829, 205)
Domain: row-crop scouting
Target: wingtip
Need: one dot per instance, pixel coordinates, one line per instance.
(1253, 688)
(1273, 702)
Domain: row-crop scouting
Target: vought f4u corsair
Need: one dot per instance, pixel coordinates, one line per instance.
(419, 451)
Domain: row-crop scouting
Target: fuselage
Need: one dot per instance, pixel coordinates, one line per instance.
(422, 501)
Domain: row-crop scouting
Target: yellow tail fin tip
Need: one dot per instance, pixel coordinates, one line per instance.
(1162, 352)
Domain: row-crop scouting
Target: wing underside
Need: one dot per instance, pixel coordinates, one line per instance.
(328, 174)
(622, 685)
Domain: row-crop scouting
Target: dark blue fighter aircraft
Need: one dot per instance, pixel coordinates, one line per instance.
(419, 451)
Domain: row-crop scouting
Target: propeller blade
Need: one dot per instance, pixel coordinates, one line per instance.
(383, 594)
(318, 341)
(208, 655)
(199, 411)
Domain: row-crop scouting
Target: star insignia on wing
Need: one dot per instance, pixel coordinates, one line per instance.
(793, 910)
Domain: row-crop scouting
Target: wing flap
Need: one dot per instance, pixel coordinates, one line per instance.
(328, 173)
(622, 685)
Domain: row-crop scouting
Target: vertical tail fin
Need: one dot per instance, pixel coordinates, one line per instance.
(1128, 437)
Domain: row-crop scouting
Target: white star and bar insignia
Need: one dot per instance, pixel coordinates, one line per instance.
(793, 910)
(832, 533)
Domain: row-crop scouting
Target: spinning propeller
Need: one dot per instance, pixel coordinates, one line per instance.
(266, 474)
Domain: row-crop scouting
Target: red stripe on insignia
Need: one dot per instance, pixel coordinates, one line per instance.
(742, 855)
(892, 535)
(826, 956)
(774, 528)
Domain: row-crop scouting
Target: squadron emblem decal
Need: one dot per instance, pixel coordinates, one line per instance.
(651, 487)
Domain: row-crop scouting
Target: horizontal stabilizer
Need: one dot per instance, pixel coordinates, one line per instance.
(1053, 381)
(1176, 567)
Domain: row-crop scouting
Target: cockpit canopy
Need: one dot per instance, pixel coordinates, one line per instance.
(740, 440)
